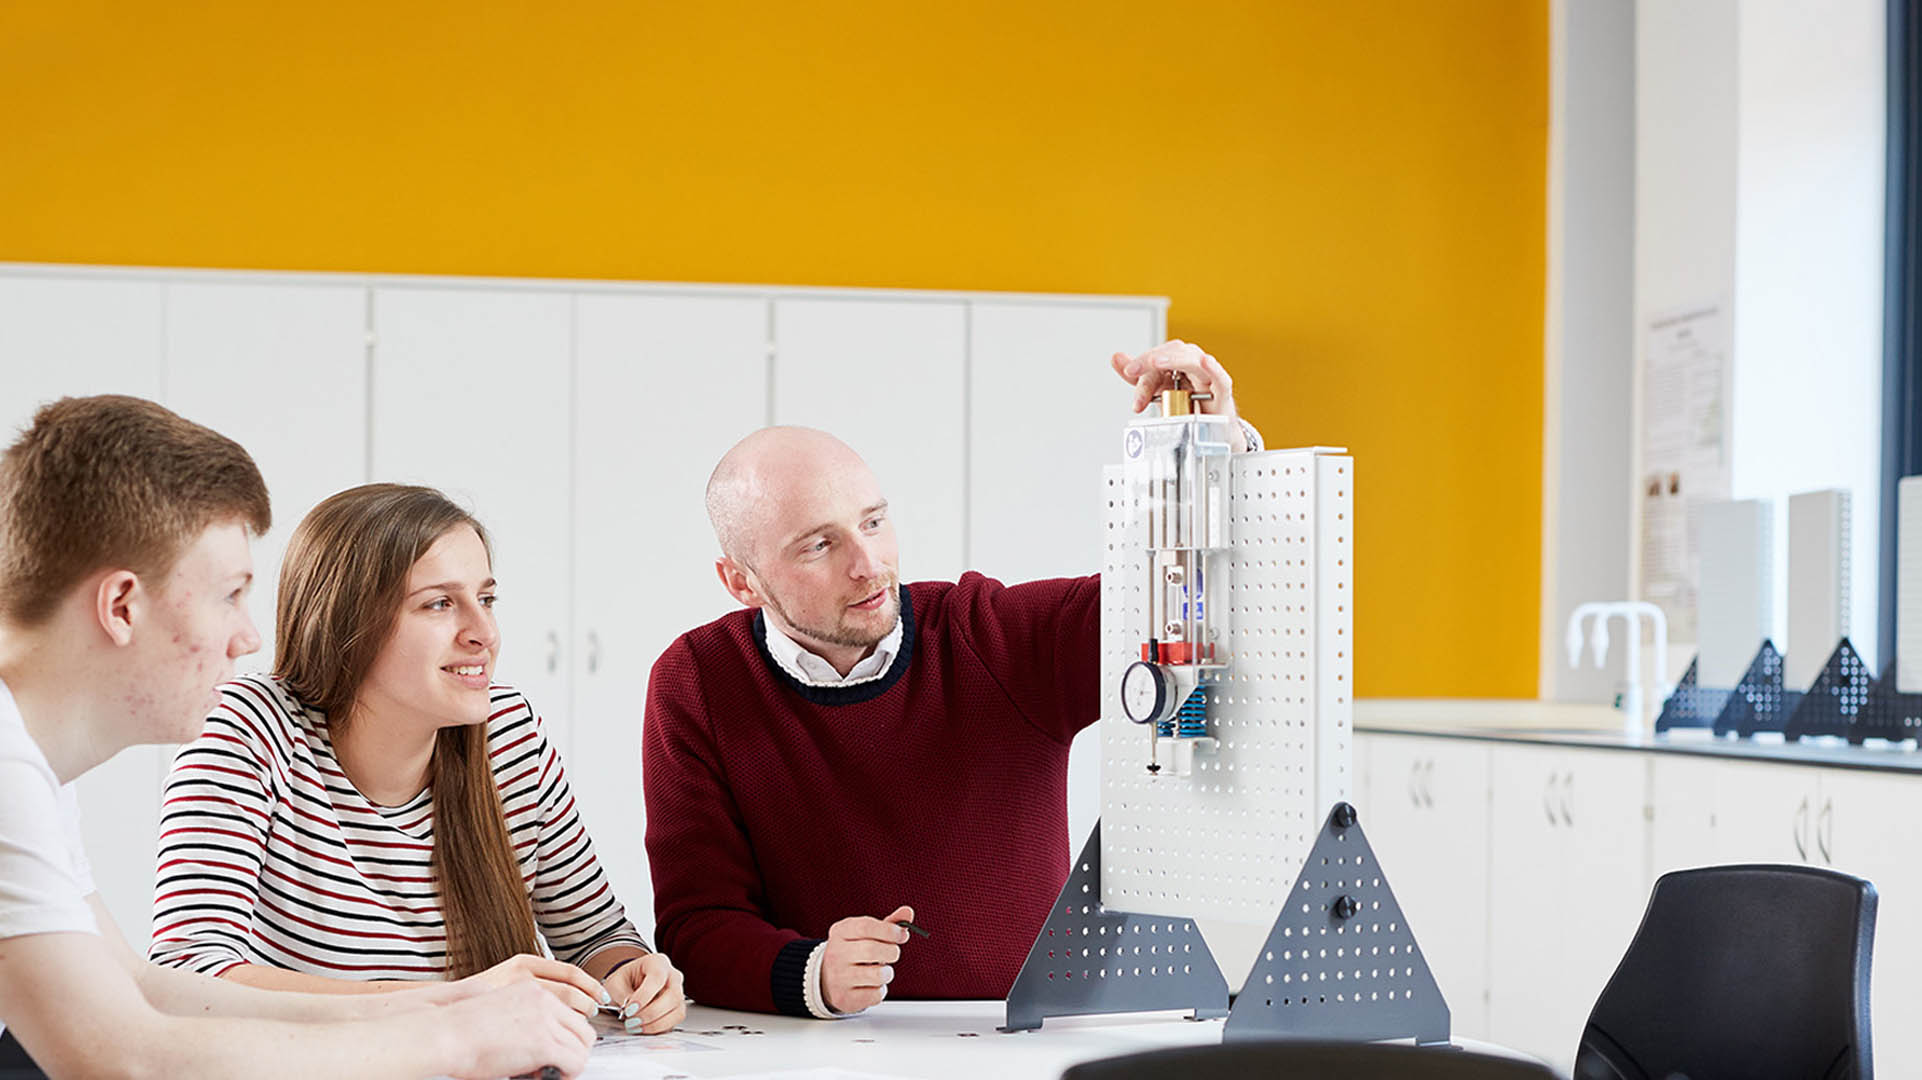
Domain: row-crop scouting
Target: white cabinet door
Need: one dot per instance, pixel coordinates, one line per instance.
(664, 385)
(1765, 813)
(1569, 877)
(74, 336)
(1428, 823)
(1682, 815)
(1866, 825)
(887, 377)
(471, 395)
(1526, 836)
(281, 369)
(1046, 415)
(1604, 877)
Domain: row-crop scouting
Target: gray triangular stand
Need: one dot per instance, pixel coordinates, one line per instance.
(1087, 959)
(1341, 962)
(1838, 696)
(1756, 704)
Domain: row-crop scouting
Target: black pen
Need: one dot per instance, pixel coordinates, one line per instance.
(910, 927)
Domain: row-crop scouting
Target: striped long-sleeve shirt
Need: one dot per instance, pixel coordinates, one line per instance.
(269, 855)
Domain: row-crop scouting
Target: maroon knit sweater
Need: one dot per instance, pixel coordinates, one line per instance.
(775, 809)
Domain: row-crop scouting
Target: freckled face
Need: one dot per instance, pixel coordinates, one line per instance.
(201, 627)
(438, 664)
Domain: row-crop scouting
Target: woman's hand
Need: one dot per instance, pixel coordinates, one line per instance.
(573, 987)
(649, 993)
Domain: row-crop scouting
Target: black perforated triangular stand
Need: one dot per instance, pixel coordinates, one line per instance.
(1087, 959)
(1341, 962)
(1890, 714)
(1837, 697)
(1691, 706)
(1756, 704)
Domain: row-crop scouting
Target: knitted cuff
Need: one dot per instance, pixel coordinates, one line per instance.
(811, 982)
(788, 979)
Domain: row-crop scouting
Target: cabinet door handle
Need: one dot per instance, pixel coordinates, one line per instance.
(593, 652)
(1825, 830)
(1568, 798)
(1801, 823)
(1428, 783)
(553, 652)
(1548, 795)
(1414, 771)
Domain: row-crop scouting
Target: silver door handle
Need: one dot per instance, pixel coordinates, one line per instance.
(1568, 797)
(1801, 823)
(1428, 783)
(1414, 796)
(1548, 794)
(553, 652)
(1824, 830)
(593, 652)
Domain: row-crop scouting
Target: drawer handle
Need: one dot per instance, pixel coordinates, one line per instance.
(1428, 783)
(1568, 798)
(1801, 824)
(553, 652)
(1414, 797)
(1824, 829)
(1548, 795)
(593, 652)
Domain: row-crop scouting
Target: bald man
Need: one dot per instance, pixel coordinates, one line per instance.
(847, 754)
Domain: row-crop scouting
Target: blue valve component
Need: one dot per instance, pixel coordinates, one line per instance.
(1191, 720)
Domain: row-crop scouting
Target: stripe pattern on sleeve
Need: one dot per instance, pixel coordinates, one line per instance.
(269, 855)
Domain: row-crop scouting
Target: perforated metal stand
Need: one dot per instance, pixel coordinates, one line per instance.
(1341, 962)
(1089, 960)
(1758, 700)
(1837, 698)
(1890, 714)
(1691, 705)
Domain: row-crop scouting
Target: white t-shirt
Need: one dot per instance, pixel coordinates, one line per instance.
(44, 876)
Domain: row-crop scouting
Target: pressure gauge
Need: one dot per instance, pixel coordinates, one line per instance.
(1148, 693)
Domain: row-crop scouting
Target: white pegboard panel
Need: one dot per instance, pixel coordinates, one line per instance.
(1227, 841)
(1818, 615)
(1735, 602)
(1908, 586)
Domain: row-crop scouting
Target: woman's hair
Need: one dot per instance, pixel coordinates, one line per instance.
(341, 587)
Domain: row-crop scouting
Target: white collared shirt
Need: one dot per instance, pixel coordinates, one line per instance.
(811, 670)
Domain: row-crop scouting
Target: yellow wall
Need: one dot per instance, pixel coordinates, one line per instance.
(1345, 201)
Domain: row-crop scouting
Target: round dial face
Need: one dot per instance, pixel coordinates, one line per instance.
(1144, 692)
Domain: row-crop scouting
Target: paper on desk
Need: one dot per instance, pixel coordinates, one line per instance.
(822, 1073)
(631, 1068)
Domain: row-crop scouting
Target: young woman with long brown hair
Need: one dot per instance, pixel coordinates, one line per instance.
(380, 811)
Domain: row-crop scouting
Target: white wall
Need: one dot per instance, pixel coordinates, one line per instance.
(1588, 428)
(1685, 137)
(1808, 278)
(1757, 177)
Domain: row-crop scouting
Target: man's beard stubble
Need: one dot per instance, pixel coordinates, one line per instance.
(841, 633)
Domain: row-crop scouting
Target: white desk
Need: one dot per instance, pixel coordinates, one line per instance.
(925, 1040)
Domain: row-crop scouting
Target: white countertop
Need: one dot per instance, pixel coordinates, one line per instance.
(896, 1040)
(1600, 727)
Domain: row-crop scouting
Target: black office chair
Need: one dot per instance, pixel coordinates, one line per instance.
(1740, 971)
(14, 1062)
(1269, 1060)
